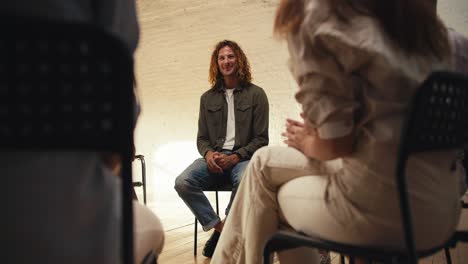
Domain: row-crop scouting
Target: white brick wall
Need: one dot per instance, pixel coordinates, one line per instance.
(455, 14)
(177, 38)
(172, 62)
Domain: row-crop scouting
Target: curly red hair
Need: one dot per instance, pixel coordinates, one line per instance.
(215, 77)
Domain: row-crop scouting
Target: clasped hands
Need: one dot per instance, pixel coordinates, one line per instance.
(218, 162)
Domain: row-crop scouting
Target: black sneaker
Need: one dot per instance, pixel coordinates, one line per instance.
(210, 245)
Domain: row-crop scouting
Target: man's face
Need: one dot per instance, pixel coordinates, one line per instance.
(227, 62)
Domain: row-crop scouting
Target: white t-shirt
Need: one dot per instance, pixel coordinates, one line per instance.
(231, 121)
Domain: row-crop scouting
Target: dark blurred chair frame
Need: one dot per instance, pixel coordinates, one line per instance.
(142, 183)
(68, 87)
(218, 188)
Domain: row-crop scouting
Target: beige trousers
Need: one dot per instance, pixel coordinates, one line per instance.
(280, 189)
(255, 214)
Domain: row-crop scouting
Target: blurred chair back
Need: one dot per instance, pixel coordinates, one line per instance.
(436, 122)
(68, 87)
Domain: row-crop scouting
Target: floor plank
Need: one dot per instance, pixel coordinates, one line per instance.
(178, 247)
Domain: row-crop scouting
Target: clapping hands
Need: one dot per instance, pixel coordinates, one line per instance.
(299, 135)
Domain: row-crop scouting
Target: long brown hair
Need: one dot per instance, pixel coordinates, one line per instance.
(412, 25)
(215, 77)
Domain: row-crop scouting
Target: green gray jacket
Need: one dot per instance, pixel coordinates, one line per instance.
(251, 114)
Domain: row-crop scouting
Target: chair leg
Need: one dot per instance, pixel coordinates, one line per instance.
(196, 224)
(217, 203)
(195, 239)
(351, 259)
(448, 256)
(342, 259)
(143, 176)
(266, 254)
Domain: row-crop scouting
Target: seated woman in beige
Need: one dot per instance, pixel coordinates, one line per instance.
(357, 64)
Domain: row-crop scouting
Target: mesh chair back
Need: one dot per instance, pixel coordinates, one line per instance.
(67, 87)
(64, 86)
(438, 116)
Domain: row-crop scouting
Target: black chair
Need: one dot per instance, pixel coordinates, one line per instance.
(142, 183)
(68, 87)
(435, 122)
(150, 258)
(222, 188)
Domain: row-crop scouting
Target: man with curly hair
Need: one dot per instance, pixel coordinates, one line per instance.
(232, 125)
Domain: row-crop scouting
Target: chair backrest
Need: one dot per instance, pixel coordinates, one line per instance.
(438, 113)
(436, 122)
(67, 86)
(64, 86)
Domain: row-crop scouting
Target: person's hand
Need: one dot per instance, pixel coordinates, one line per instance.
(210, 158)
(299, 136)
(227, 161)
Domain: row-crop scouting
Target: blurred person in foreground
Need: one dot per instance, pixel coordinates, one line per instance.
(66, 207)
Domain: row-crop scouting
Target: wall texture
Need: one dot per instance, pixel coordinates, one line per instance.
(172, 71)
(177, 38)
(455, 14)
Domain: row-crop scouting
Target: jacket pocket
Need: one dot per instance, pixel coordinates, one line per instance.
(244, 114)
(243, 107)
(213, 117)
(213, 108)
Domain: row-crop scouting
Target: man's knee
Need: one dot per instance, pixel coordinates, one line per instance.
(181, 184)
(235, 182)
(186, 179)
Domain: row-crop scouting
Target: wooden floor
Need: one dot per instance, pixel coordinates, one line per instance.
(178, 249)
(178, 246)
(178, 224)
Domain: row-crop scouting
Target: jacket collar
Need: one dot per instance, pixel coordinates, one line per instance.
(221, 88)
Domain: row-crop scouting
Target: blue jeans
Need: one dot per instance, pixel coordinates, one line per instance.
(193, 180)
